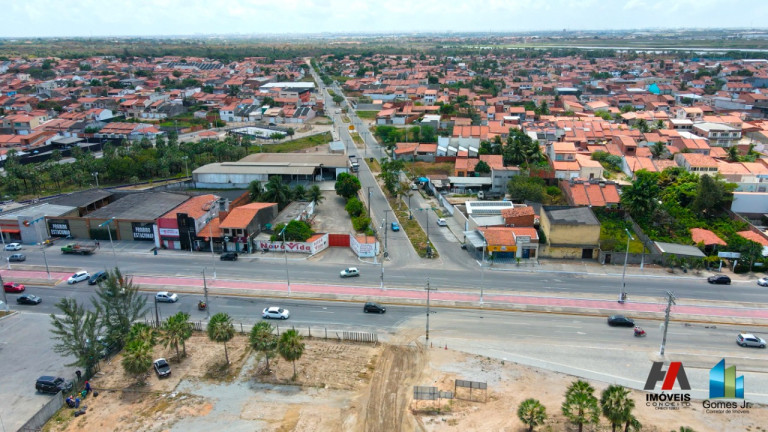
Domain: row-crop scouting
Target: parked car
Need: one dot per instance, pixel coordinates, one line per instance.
(620, 321)
(78, 277)
(374, 308)
(275, 312)
(97, 277)
(719, 279)
(13, 287)
(395, 226)
(167, 297)
(13, 247)
(750, 340)
(228, 256)
(17, 258)
(349, 272)
(763, 281)
(28, 299)
(51, 384)
(162, 368)
(442, 222)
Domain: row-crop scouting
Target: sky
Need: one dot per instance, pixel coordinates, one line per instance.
(94, 18)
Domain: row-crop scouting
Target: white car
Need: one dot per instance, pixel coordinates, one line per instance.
(78, 277)
(13, 246)
(275, 312)
(167, 297)
(442, 222)
(763, 281)
(349, 272)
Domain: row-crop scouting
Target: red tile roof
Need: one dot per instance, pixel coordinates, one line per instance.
(755, 237)
(707, 237)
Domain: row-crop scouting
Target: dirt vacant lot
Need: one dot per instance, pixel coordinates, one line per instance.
(345, 387)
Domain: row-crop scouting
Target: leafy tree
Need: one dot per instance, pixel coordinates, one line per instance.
(658, 149)
(641, 197)
(428, 134)
(581, 405)
(361, 223)
(482, 168)
(642, 126)
(525, 188)
(276, 191)
(616, 405)
(296, 230)
(175, 331)
(233, 90)
(118, 304)
(255, 190)
(337, 99)
(390, 173)
(532, 413)
(291, 347)
(711, 195)
(290, 132)
(264, 339)
(76, 333)
(221, 329)
(315, 194)
(137, 359)
(347, 185)
(354, 207)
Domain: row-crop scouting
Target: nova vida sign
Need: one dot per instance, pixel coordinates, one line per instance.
(667, 400)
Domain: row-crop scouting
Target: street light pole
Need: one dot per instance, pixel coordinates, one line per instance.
(429, 289)
(285, 255)
(622, 292)
(186, 169)
(213, 257)
(109, 232)
(205, 292)
(482, 270)
(42, 246)
(96, 175)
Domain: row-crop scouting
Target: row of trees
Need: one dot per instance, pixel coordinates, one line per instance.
(581, 407)
(278, 192)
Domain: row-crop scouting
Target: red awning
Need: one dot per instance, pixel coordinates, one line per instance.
(11, 230)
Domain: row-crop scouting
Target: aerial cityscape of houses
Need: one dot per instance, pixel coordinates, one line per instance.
(625, 112)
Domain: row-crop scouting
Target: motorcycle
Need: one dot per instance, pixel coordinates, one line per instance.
(639, 332)
(201, 305)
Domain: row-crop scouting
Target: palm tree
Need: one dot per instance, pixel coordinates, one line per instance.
(176, 330)
(137, 359)
(532, 413)
(616, 405)
(264, 339)
(220, 329)
(277, 192)
(291, 347)
(580, 405)
(255, 190)
(299, 193)
(657, 149)
(315, 194)
(733, 154)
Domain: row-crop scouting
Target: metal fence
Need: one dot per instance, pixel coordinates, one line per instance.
(41, 417)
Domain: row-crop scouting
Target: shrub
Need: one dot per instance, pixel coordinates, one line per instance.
(354, 207)
(360, 223)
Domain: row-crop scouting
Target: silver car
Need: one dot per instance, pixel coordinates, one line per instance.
(750, 340)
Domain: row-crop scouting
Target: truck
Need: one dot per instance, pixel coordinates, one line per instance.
(354, 163)
(78, 249)
(489, 195)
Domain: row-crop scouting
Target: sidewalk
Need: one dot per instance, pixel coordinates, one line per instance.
(710, 312)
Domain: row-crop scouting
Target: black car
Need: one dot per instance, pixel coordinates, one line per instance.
(374, 307)
(162, 368)
(228, 256)
(97, 277)
(620, 321)
(28, 299)
(719, 279)
(17, 258)
(50, 384)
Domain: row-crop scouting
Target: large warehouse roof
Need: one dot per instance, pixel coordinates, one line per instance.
(140, 206)
(254, 168)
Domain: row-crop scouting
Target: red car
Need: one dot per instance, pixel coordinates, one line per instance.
(11, 287)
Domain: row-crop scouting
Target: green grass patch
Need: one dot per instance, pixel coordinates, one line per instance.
(357, 139)
(345, 119)
(421, 169)
(297, 144)
(374, 166)
(613, 236)
(368, 115)
(416, 234)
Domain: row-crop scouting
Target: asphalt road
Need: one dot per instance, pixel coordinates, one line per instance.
(413, 274)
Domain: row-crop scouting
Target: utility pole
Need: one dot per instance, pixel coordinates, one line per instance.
(428, 288)
(670, 301)
(369, 201)
(205, 292)
(157, 315)
(5, 298)
(623, 290)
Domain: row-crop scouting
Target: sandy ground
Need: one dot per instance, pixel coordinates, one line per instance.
(346, 387)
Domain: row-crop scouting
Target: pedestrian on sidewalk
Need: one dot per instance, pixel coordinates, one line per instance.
(87, 386)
